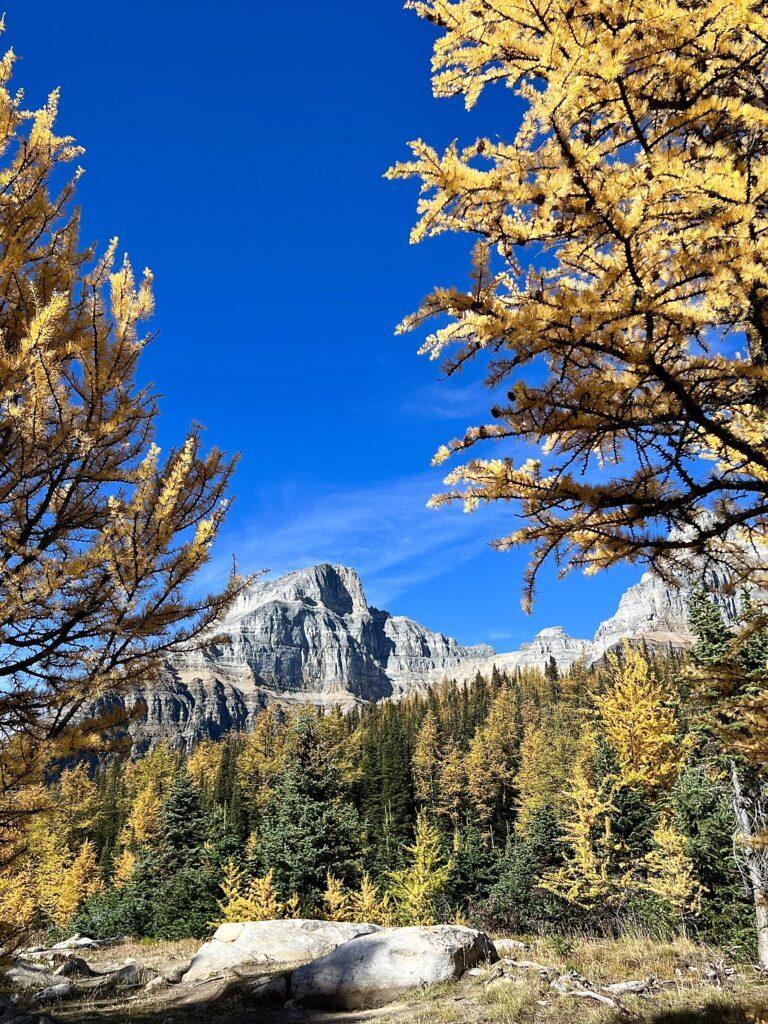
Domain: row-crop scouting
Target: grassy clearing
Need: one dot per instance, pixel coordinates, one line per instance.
(526, 998)
(521, 997)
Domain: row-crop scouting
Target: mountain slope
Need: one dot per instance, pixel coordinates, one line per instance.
(311, 637)
(307, 637)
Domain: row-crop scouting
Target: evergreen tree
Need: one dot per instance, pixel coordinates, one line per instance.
(731, 687)
(308, 829)
(181, 833)
(516, 900)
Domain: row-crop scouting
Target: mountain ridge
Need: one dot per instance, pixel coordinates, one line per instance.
(311, 637)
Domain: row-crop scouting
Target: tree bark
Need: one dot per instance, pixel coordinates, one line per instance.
(749, 808)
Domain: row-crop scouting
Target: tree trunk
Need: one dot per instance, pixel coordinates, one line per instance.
(749, 807)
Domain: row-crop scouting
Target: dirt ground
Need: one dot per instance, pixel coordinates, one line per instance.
(692, 985)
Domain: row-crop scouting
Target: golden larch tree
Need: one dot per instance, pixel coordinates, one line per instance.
(425, 762)
(589, 876)
(619, 290)
(493, 757)
(101, 534)
(638, 723)
(416, 889)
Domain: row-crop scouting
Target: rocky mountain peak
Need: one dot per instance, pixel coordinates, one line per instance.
(306, 637)
(335, 587)
(310, 636)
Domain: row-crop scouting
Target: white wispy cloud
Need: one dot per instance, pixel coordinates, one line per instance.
(383, 530)
(447, 400)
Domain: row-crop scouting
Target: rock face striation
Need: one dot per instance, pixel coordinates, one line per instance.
(307, 637)
(311, 637)
(651, 611)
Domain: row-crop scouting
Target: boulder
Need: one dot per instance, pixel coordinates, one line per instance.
(175, 974)
(54, 993)
(510, 947)
(77, 941)
(28, 976)
(253, 945)
(130, 975)
(157, 984)
(74, 967)
(376, 969)
(258, 990)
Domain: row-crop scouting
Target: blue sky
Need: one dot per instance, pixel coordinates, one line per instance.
(238, 150)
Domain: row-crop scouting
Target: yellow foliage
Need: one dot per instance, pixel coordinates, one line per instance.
(252, 899)
(144, 817)
(639, 725)
(100, 536)
(76, 805)
(124, 865)
(261, 759)
(18, 897)
(425, 761)
(545, 770)
(451, 782)
(156, 770)
(81, 879)
(621, 258)
(492, 757)
(204, 762)
(670, 872)
(369, 905)
(415, 889)
(337, 900)
(590, 875)
(63, 880)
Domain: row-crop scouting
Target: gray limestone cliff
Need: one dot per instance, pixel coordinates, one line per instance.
(307, 637)
(311, 637)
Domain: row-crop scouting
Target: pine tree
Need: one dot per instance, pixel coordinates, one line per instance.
(175, 885)
(731, 690)
(552, 672)
(517, 901)
(181, 832)
(308, 829)
(712, 635)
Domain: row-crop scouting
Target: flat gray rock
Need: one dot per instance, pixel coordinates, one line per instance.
(77, 941)
(61, 990)
(376, 969)
(247, 947)
(28, 976)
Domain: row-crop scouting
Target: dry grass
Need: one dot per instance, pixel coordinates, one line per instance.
(526, 998)
(152, 952)
(523, 998)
